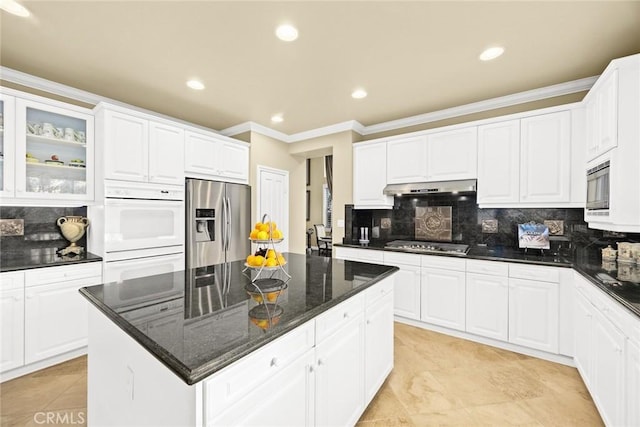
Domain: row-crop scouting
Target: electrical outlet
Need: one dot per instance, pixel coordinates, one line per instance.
(11, 227)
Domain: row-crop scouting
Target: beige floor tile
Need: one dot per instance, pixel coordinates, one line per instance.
(505, 414)
(32, 394)
(421, 392)
(452, 417)
(384, 406)
(73, 366)
(562, 410)
(74, 397)
(387, 422)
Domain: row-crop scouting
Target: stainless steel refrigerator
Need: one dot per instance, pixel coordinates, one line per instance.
(218, 222)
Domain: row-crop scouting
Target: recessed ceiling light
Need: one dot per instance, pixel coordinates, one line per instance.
(491, 53)
(195, 84)
(277, 118)
(14, 8)
(359, 94)
(287, 32)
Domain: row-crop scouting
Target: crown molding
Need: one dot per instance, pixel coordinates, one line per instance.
(486, 105)
(255, 127)
(351, 125)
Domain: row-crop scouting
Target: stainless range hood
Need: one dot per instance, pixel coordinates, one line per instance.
(422, 188)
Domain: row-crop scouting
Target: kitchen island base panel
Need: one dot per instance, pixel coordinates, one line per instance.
(128, 386)
(557, 358)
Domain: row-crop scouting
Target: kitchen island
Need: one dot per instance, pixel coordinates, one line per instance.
(193, 348)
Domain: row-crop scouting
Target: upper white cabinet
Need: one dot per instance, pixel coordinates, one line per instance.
(545, 159)
(499, 162)
(370, 176)
(47, 150)
(602, 115)
(452, 155)
(534, 161)
(406, 160)
(213, 157)
(138, 149)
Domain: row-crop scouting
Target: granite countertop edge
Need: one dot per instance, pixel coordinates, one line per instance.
(88, 257)
(603, 288)
(192, 376)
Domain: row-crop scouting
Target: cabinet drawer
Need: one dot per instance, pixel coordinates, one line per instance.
(531, 272)
(41, 276)
(446, 263)
(364, 255)
(12, 280)
(237, 380)
(493, 268)
(379, 290)
(395, 258)
(333, 319)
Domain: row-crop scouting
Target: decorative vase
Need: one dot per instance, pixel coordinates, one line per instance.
(73, 228)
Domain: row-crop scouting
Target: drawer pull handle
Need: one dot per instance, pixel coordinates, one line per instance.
(17, 298)
(311, 368)
(368, 321)
(164, 191)
(274, 362)
(320, 362)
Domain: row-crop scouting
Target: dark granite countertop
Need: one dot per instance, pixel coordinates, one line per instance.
(585, 260)
(210, 313)
(24, 259)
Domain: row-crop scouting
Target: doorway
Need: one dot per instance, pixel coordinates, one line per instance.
(273, 199)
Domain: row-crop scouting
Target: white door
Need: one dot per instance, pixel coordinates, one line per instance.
(166, 154)
(340, 376)
(406, 292)
(442, 298)
(583, 325)
(126, 147)
(487, 306)
(545, 158)
(407, 160)
(273, 200)
(533, 314)
(378, 345)
(452, 155)
(499, 162)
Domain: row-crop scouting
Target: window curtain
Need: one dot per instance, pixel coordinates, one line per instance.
(328, 167)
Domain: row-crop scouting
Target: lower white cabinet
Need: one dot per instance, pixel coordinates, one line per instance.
(487, 306)
(285, 398)
(608, 370)
(406, 287)
(340, 376)
(43, 314)
(583, 322)
(533, 314)
(11, 320)
(632, 377)
(378, 344)
(442, 297)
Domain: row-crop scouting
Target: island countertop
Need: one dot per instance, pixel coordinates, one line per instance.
(199, 321)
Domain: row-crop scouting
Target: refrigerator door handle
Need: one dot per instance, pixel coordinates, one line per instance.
(224, 225)
(229, 228)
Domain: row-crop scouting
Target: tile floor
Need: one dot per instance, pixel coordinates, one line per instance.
(437, 380)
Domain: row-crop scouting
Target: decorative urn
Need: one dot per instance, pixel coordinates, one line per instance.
(73, 228)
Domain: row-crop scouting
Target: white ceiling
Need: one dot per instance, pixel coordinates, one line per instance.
(412, 57)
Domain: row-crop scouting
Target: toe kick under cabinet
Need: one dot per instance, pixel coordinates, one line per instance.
(44, 318)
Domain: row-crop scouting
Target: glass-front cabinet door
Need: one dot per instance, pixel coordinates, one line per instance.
(54, 152)
(7, 144)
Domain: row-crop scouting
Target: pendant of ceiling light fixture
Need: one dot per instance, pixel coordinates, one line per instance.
(14, 8)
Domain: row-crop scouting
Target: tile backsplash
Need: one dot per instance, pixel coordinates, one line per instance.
(472, 225)
(39, 227)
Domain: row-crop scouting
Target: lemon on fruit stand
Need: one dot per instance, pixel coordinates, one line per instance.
(258, 260)
(276, 234)
(281, 260)
(271, 262)
(250, 259)
(271, 253)
(263, 227)
(262, 235)
(254, 234)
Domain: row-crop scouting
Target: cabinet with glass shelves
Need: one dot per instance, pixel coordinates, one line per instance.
(53, 151)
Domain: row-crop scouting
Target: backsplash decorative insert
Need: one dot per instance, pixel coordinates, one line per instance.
(40, 229)
(11, 227)
(433, 223)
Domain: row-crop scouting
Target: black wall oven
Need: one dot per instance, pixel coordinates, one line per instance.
(598, 187)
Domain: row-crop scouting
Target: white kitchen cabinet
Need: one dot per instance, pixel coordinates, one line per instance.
(632, 378)
(583, 324)
(211, 157)
(487, 306)
(602, 115)
(499, 162)
(608, 370)
(407, 160)
(7, 145)
(284, 398)
(545, 158)
(533, 314)
(11, 320)
(406, 288)
(51, 139)
(442, 297)
(370, 176)
(340, 397)
(378, 336)
(452, 155)
(138, 149)
(55, 318)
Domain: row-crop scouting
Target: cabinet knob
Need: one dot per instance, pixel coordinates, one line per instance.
(311, 368)
(17, 298)
(320, 362)
(345, 315)
(274, 362)
(368, 322)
